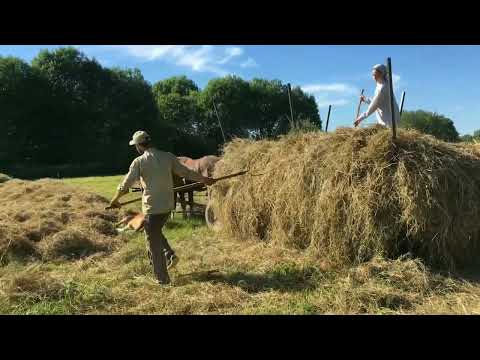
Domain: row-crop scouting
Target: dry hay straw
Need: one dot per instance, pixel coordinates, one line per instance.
(4, 178)
(353, 194)
(471, 148)
(49, 219)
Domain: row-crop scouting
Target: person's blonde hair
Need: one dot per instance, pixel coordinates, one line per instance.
(381, 69)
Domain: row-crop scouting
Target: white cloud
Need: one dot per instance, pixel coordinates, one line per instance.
(152, 52)
(199, 60)
(330, 88)
(323, 103)
(205, 58)
(231, 53)
(249, 63)
(335, 94)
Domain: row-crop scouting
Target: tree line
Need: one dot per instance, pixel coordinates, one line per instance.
(66, 109)
(65, 113)
(435, 124)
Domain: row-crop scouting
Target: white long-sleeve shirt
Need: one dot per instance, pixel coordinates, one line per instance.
(154, 171)
(381, 105)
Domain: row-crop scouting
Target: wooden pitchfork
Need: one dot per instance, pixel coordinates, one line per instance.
(185, 187)
(358, 108)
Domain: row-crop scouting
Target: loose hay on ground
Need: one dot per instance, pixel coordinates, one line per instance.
(350, 195)
(49, 219)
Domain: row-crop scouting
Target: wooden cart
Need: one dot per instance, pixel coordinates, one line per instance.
(207, 209)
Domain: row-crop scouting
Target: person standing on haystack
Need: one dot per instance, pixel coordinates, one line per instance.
(381, 100)
(154, 169)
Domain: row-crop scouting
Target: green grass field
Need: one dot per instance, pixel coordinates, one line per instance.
(224, 276)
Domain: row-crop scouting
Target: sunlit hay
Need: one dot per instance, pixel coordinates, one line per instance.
(4, 178)
(50, 219)
(471, 148)
(353, 194)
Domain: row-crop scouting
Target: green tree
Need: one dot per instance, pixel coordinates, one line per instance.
(128, 106)
(305, 108)
(234, 104)
(430, 123)
(272, 110)
(78, 86)
(180, 114)
(96, 109)
(180, 85)
(466, 138)
(471, 138)
(24, 104)
(256, 109)
(177, 104)
(66, 108)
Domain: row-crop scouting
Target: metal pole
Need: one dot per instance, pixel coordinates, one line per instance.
(289, 89)
(401, 104)
(328, 117)
(219, 122)
(392, 101)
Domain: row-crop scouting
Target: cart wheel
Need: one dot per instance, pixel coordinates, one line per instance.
(210, 218)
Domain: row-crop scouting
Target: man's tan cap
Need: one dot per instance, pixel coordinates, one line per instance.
(139, 137)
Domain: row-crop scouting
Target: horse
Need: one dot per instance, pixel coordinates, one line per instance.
(204, 166)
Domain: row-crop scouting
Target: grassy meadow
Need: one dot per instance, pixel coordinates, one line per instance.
(224, 276)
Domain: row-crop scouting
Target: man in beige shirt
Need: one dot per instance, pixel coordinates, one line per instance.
(154, 169)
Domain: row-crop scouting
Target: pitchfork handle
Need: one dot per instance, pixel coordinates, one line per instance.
(359, 104)
(180, 188)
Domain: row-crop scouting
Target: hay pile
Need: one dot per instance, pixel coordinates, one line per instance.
(48, 219)
(4, 178)
(350, 195)
(472, 148)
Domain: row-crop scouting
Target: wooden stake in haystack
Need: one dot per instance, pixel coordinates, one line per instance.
(289, 90)
(328, 117)
(392, 100)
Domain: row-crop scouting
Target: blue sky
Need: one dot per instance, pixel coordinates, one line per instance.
(444, 79)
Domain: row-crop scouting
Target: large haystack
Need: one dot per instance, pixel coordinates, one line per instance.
(353, 194)
(49, 219)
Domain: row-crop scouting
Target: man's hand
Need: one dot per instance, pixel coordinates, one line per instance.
(115, 204)
(363, 98)
(357, 122)
(209, 181)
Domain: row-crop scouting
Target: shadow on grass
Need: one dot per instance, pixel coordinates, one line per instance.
(283, 280)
